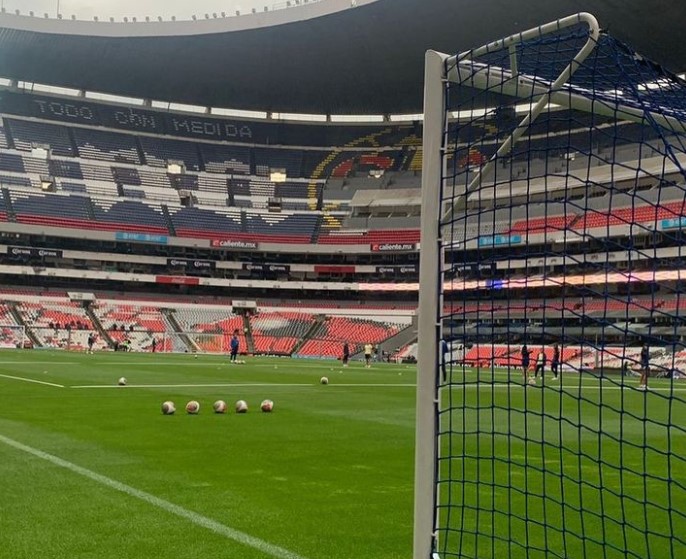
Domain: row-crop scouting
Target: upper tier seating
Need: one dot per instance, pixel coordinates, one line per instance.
(205, 223)
(267, 159)
(229, 160)
(158, 152)
(28, 133)
(106, 146)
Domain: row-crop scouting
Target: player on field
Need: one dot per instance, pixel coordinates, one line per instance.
(91, 341)
(234, 347)
(555, 362)
(540, 364)
(154, 345)
(346, 354)
(526, 355)
(368, 348)
(645, 368)
(445, 350)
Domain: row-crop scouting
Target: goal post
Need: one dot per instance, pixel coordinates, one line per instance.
(553, 225)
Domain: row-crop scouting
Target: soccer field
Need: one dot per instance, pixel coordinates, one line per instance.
(95, 470)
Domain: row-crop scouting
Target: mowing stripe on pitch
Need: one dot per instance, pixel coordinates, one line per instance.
(194, 517)
(33, 380)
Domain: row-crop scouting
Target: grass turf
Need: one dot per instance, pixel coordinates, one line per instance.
(329, 474)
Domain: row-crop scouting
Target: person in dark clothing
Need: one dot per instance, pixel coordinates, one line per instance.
(540, 364)
(555, 362)
(346, 354)
(526, 355)
(645, 368)
(234, 347)
(91, 342)
(154, 345)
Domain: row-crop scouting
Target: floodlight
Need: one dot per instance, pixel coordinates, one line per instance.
(277, 175)
(47, 183)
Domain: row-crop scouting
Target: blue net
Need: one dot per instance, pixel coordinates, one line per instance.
(562, 409)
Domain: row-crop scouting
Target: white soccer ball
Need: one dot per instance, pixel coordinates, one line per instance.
(266, 406)
(195, 356)
(532, 381)
(122, 381)
(241, 406)
(193, 407)
(168, 408)
(324, 380)
(219, 406)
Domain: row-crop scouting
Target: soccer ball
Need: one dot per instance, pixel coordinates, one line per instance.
(532, 381)
(324, 380)
(168, 408)
(219, 406)
(241, 406)
(122, 381)
(266, 406)
(192, 407)
(195, 356)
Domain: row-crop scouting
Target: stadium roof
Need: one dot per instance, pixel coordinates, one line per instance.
(326, 57)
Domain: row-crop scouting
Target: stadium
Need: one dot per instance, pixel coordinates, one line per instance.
(208, 211)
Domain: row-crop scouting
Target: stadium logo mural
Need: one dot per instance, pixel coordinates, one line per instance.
(396, 269)
(393, 247)
(192, 264)
(225, 243)
(499, 240)
(132, 118)
(284, 268)
(677, 223)
(34, 252)
(141, 238)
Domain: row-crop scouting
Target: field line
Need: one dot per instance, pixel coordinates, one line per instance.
(39, 362)
(193, 517)
(481, 386)
(197, 385)
(33, 380)
(239, 385)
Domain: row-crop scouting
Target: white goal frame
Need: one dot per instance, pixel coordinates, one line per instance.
(463, 70)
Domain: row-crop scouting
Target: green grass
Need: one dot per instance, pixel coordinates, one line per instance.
(327, 475)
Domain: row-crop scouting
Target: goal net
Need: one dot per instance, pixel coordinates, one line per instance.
(553, 231)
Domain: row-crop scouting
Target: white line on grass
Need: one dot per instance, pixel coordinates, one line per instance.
(33, 380)
(209, 385)
(194, 517)
(39, 363)
(482, 386)
(235, 385)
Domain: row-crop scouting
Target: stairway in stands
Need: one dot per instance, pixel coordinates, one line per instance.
(247, 330)
(168, 220)
(20, 320)
(11, 214)
(189, 342)
(318, 320)
(98, 325)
